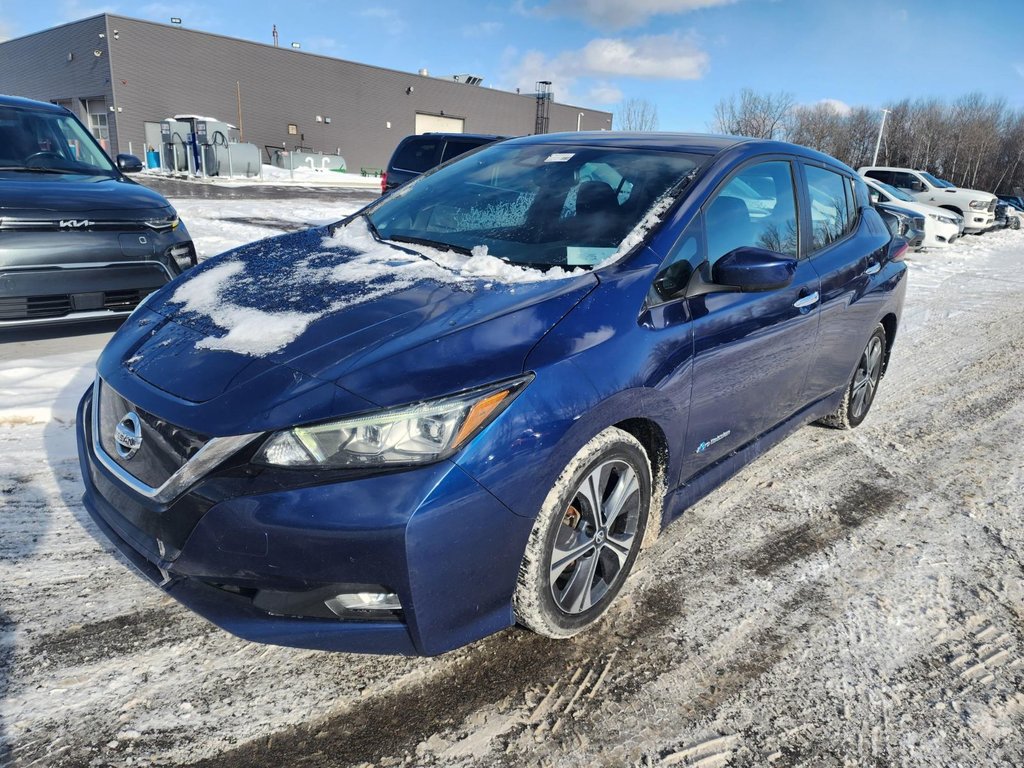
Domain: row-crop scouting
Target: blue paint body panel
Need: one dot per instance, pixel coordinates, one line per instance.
(721, 376)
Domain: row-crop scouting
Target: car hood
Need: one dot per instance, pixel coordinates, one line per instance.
(380, 324)
(27, 194)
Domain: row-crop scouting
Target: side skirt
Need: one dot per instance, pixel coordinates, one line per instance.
(709, 478)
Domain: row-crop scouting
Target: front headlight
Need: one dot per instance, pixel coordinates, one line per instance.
(163, 223)
(943, 219)
(979, 205)
(414, 434)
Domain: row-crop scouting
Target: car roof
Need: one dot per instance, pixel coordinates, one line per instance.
(18, 101)
(696, 143)
(445, 135)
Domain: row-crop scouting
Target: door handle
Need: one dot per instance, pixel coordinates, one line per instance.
(874, 269)
(806, 301)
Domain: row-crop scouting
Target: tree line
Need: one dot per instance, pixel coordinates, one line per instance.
(975, 141)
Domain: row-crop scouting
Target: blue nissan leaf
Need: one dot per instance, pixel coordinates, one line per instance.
(470, 404)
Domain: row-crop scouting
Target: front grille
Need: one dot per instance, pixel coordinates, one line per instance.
(35, 307)
(165, 447)
(61, 305)
(991, 206)
(124, 301)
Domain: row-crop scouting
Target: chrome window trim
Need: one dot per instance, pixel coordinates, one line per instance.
(211, 454)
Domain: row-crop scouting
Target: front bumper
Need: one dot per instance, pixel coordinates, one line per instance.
(978, 221)
(61, 277)
(432, 535)
(938, 233)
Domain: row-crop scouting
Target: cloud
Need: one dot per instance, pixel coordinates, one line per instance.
(650, 57)
(618, 14)
(481, 29)
(840, 107)
(6, 30)
(605, 93)
(657, 57)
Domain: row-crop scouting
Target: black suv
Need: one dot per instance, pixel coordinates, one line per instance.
(418, 154)
(78, 239)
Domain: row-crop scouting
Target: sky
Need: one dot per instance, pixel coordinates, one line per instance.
(681, 55)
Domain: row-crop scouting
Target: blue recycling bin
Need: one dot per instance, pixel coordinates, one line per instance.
(152, 158)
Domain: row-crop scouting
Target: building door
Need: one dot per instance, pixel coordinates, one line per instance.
(98, 123)
(439, 124)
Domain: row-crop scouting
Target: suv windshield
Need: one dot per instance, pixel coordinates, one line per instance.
(34, 140)
(535, 204)
(936, 182)
(890, 190)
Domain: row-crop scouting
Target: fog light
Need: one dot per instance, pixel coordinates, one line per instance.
(364, 601)
(182, 254)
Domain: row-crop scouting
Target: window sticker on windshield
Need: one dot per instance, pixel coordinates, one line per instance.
(559, 157)
(576, 255)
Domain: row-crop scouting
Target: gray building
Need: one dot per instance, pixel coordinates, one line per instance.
(122, 76)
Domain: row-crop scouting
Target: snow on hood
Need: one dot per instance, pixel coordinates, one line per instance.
(352, 258)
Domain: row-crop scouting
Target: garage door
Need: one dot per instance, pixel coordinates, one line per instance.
(438, 124)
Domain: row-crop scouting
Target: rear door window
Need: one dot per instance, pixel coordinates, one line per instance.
(418, 155)
(831, 217)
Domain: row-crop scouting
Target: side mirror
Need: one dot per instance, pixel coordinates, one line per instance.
(916, 186)
(128, 164)
(753, 269)
(875, 197)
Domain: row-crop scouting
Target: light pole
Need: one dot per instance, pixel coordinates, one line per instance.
(878, 143)
(579, 118)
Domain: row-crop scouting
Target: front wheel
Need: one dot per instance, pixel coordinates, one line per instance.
(860, 393)
(586, 537)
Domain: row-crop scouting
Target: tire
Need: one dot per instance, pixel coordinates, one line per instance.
(860, 392)
(592, 556)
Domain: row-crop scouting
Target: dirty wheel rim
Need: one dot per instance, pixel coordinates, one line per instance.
(595, 537)
(865, 379)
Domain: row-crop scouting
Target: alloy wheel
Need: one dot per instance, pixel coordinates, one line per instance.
(865, 379)
(598, 532)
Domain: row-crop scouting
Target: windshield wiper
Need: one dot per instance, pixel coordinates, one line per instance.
(27, 169)
(441, 246)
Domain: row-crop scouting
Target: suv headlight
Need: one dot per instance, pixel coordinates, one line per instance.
(165, 222)
(414, 434)
(979, 205)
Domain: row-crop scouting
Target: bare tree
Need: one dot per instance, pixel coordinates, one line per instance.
(757, 115)
(975, 141)
(637, 115)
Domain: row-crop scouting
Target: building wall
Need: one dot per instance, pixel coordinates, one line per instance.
(39, 67)
(160, 71)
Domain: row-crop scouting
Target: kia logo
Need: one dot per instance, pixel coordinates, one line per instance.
(128, 435)
(75, 223)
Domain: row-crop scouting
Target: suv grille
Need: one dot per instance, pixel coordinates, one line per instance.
(63, 304)
(165, 447)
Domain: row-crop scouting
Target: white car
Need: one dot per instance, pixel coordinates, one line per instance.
(977, 208)
(941, 226)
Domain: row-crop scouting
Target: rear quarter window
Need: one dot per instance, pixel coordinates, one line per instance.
(418, 155)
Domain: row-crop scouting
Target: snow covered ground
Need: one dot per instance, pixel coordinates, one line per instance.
(849, 599)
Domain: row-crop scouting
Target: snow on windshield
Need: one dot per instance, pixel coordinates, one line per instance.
(354, 259)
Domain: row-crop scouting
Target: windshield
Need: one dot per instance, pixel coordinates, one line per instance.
(937, 182)
(47, 142)
(534, 204)
(890, 190)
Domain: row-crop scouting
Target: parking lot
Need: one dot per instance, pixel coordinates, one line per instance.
(851, 598)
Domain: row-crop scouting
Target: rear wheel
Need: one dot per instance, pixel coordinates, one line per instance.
(860, 393)
(586, 537)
